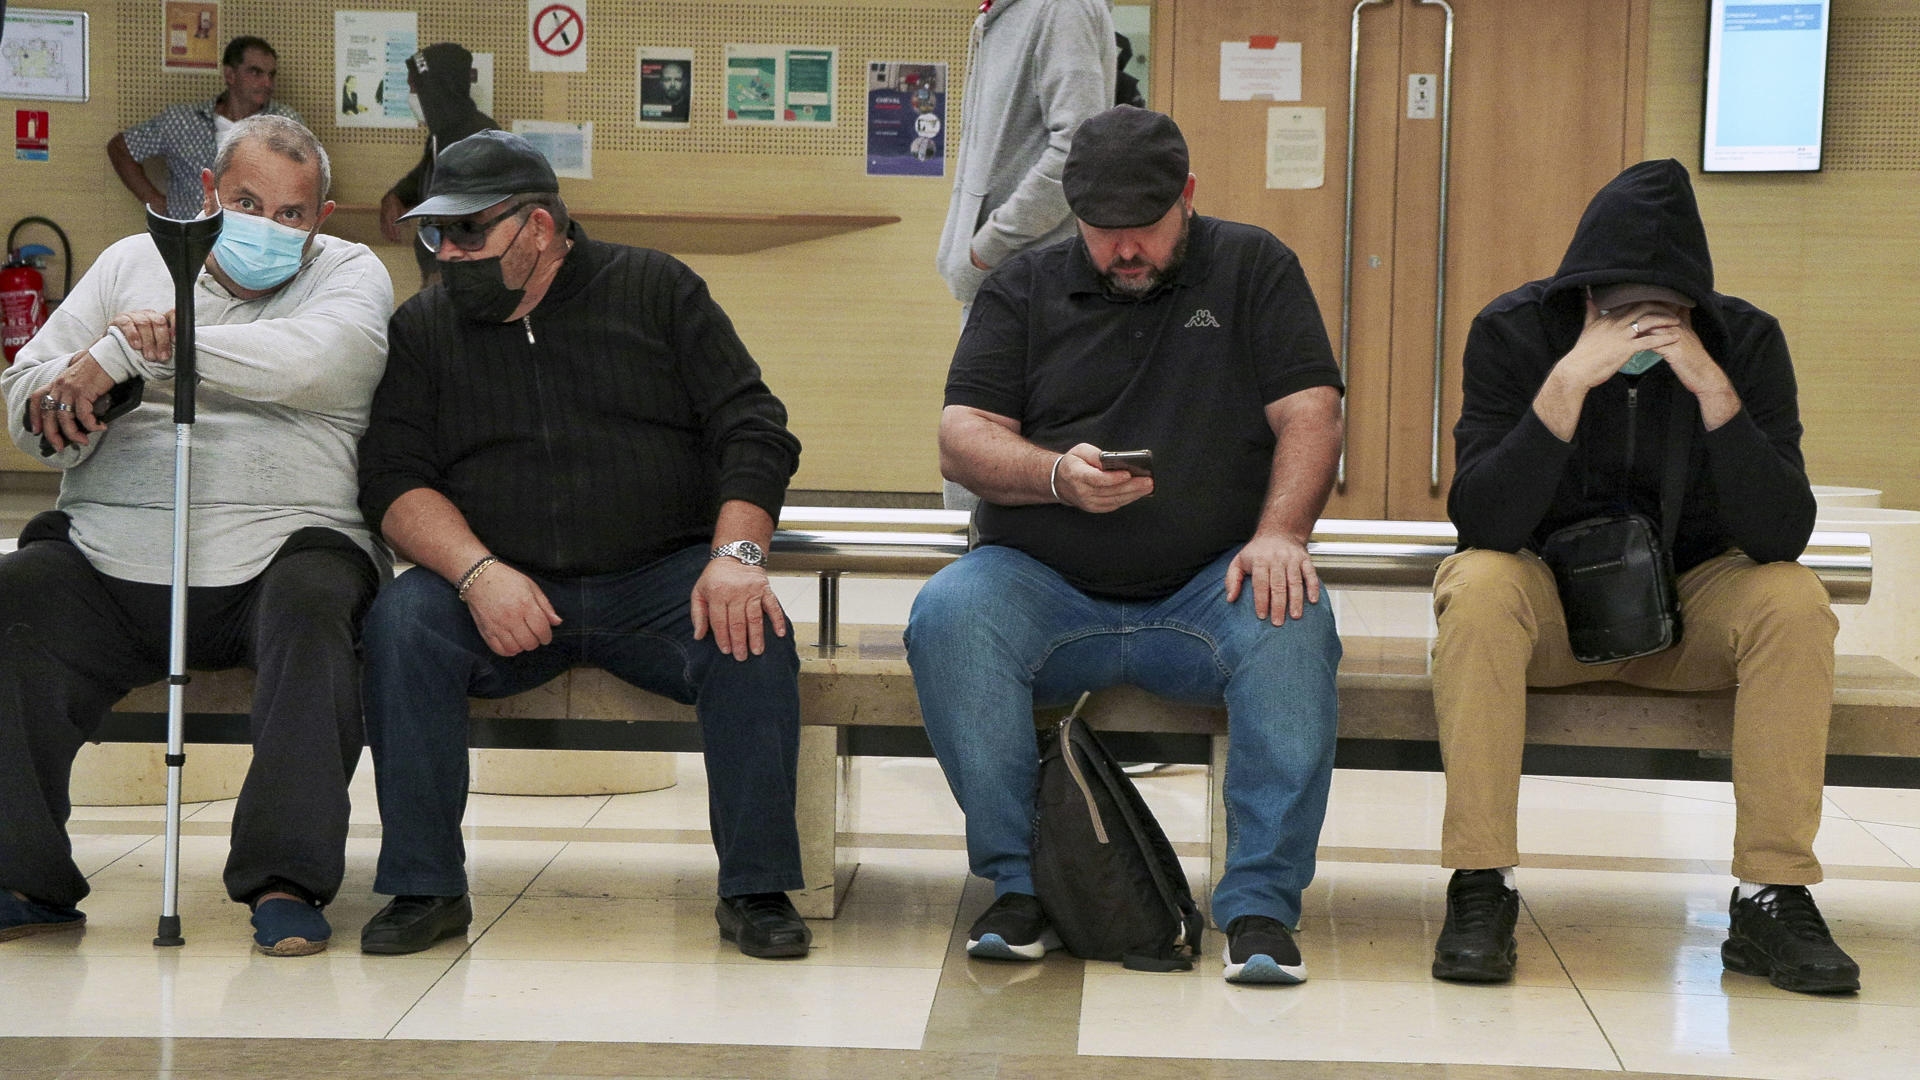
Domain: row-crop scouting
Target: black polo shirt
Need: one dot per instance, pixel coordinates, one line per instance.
(1186, 372)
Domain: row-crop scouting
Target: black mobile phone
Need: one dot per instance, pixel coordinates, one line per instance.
(115, 403)
(1136, 462)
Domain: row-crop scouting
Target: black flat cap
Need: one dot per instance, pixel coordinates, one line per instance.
(1127, 167)
(482, 169)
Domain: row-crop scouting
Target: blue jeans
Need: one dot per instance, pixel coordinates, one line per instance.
(424, 658)
(998, 632)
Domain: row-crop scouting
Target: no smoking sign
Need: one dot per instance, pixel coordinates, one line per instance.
(556, 35)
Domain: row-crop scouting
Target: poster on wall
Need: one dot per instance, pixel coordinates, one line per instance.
(370, 50)
(663, 87)
(567, 147)
(556, 35)
(483, 82)
(906, 119)
(781, 84)
(43, 55)
(192, 35)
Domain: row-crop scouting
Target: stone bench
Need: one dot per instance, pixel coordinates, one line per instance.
(857, 692)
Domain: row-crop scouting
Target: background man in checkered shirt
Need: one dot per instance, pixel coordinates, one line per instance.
(186, 135)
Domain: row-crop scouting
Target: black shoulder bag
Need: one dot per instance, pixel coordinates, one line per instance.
(1615, 573)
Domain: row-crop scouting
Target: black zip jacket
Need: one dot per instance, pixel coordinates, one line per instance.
(1515, 482)
(598, 434)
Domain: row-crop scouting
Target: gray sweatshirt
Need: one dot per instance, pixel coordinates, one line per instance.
(1036, 69)
(285, 385)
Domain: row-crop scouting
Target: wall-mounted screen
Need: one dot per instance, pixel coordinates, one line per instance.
(1766, 85)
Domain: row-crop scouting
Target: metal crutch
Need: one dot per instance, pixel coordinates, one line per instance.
(183, 247)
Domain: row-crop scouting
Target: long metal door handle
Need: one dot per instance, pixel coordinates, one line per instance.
(1346, 273)
(1440, 271)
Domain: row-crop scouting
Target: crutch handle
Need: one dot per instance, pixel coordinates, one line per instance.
(183, 247)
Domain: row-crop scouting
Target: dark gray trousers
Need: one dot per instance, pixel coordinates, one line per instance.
(73, 641)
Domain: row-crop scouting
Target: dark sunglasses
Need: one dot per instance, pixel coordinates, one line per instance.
(466, 235)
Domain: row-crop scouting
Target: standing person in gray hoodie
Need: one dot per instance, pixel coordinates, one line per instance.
(1036, 69)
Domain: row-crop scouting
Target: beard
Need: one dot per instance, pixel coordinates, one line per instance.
(1155, 276)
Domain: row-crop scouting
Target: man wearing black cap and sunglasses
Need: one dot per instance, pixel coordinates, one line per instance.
(1198, 340)
(580, 457)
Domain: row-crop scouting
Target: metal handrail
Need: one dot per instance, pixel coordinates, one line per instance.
(1346, 273)
(1440, 273)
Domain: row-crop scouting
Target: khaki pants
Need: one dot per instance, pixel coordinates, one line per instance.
(1764, 628)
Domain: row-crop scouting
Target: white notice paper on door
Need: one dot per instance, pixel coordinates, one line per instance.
(1296, 147)
(1251, 74)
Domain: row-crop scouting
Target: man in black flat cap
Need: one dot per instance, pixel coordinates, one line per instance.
(1199, 340)
(577, 453)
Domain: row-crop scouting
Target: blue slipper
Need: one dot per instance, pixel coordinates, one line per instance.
(283, 927)
(18, 917)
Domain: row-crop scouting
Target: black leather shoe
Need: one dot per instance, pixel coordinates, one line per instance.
(1780, 934)
(1476, 944)
(409, 924)
(763, 925)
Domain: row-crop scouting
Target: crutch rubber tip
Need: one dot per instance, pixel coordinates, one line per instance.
(169, 932)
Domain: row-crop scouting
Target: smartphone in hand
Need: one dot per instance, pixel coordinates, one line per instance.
(1134, 462)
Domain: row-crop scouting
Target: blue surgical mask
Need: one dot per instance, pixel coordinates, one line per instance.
(257, 253)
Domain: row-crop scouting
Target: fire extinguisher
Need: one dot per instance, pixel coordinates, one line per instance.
(23, 291)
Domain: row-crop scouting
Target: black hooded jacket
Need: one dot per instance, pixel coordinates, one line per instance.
(1516, 482)
(442, 75)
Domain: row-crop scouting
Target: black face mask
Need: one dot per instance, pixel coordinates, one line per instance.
(479, 289)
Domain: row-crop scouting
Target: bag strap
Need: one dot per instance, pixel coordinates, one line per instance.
(1673, 484)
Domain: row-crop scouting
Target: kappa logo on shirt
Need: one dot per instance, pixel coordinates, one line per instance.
(1202, 318)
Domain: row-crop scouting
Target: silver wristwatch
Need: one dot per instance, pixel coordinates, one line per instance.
(746, 551)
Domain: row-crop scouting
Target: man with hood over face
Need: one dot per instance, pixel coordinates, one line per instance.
(1569, 385)
(440, 89)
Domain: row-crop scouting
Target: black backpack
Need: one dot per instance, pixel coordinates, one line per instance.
(1104, 871)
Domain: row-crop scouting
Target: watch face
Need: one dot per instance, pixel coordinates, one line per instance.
(746, 551)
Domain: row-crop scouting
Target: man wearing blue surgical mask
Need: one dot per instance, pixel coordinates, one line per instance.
(291, 340)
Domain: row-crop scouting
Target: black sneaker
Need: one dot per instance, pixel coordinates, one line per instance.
(1012, 928)
(1780, 934)
(1261, 950)
(409, 924)
(764, 925)
(1476, 944)
(20, 917)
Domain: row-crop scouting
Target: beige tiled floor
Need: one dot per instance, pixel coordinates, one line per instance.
(583, 934)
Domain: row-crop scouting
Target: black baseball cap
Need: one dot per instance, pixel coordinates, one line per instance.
(482, 169)
(1127, 167)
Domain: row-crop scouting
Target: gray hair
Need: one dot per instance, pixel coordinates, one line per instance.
(282, 135)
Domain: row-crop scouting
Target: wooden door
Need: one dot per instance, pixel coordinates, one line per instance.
(1227, 141)
(1547, 106)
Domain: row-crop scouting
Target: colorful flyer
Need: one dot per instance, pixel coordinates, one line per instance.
(753, 84)
(192, 31)
(370, 50)
(906, 119)
(663, 87)
(781, 84)
(809, 86)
